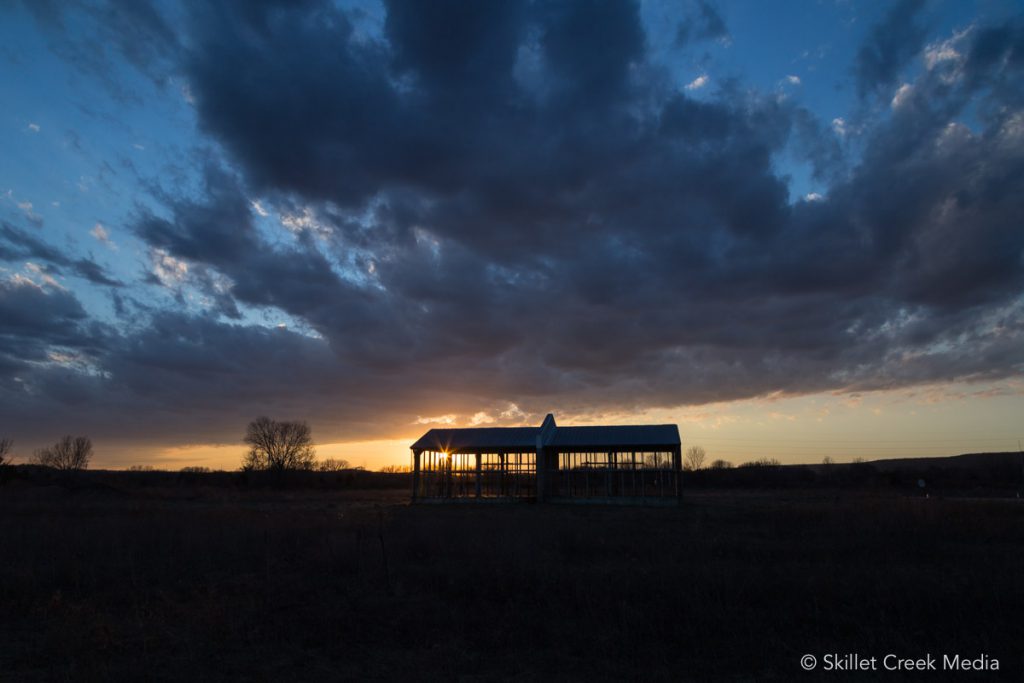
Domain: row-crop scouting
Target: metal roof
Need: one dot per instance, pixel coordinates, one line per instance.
(485, 438)
(525, 438)
(624, 435)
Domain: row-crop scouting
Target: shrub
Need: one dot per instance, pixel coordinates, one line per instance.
(762, 462)
(332, 465)
(69, 453)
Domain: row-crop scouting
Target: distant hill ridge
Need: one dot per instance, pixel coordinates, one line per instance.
(964, 460)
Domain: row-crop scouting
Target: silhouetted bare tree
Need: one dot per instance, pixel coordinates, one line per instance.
(720, 465)
(278, 446)
(695, 458)
(69, 453)
(5, 451)
(332, 465)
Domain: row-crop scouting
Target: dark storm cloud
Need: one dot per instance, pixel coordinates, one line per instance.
(339, 144)
(41, 324)
(890, 45)
(166, 373)
(493, 203)
(34, 312)
(529, 208)
(218, 233)
(996, 60)
(16, 245)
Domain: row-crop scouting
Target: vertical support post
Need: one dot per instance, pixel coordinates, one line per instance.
(502, 463)
(567, 474)
(540, 465)
(632, 458)
(663, 470)
(415, 475)
(517, 473)
(588, 464)
(448, 458)
(612, 471)
(479, 472)
(677, 465)
(643, 474)
(608, 475)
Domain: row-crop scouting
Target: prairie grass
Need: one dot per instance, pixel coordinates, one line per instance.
(325, 585)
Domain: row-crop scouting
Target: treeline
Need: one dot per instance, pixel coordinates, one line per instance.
(277, 450)
(980, 473)
(68, 453)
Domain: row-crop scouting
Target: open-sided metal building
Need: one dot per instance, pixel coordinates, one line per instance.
(613, 464)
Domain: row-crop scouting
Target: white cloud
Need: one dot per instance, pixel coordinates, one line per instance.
(813, 197)
(169, 270)
(941, 52)
(186, 94)
(305, 221)
(953, 137)
(34, 127)
(29, 210)
(101, 235)
(698, 82)
(839, 126)
(440, 419)
(19, 280)
(513, 412)
(793, 80)
(480, 418)
(64, 358)
(946, 54)
(42, 275)
(258, 208)
(902, 95)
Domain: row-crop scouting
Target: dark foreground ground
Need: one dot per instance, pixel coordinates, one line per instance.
(209, 584)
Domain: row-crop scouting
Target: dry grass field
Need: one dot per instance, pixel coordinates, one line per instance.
(212, 584)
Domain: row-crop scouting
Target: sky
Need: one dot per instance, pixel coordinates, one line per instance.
(794, 229)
